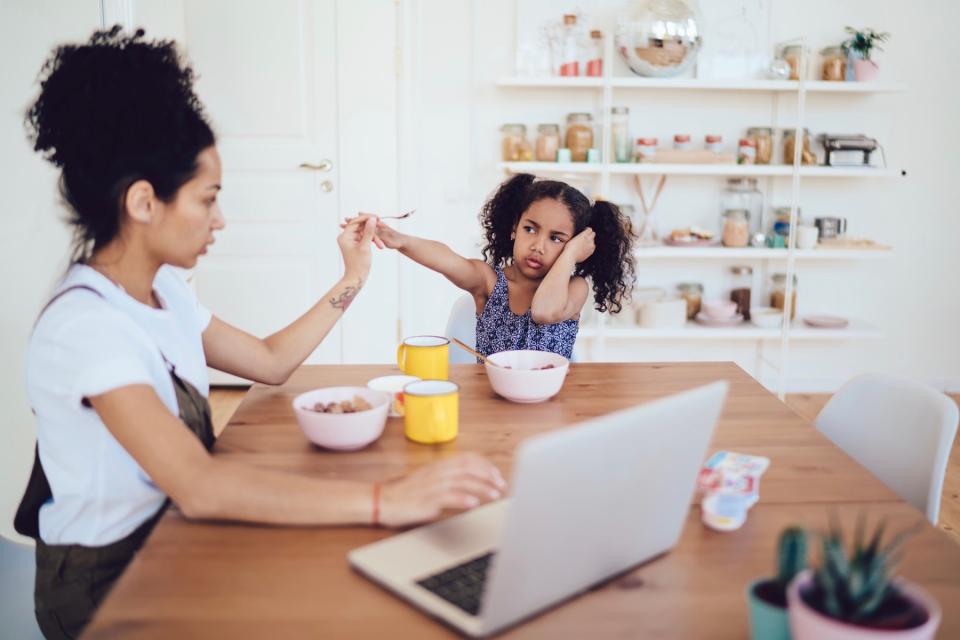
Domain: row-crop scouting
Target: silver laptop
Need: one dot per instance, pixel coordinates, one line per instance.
(587, 503)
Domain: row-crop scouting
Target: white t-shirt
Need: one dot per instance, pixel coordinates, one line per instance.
(85, 345)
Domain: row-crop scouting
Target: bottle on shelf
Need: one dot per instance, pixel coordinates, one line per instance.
(594, 63)
(569, 47)
(742, 281)
(620, 134)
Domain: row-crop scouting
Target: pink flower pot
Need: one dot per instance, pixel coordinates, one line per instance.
(865, 70)
(806, 623)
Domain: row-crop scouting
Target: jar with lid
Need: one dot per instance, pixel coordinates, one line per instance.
(762, 138)
(740, 293)
(742, 194)
(834, 68)
(514, 144)
(807, 156)
(735, 228)
(778, 293)
(645, 150)
(620, 134)
(792, 53)
(548, 142)
(692, 292)
(570, 47)
(682, 141)
(713, 143)
(746, 151)
(579, 136)
(595, 54)
(780, 226)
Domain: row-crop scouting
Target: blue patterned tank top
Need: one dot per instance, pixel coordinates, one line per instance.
(500, 329)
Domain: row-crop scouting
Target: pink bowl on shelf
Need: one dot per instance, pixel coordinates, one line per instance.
(719, 309)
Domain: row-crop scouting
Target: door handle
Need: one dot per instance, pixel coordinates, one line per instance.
(323, 165)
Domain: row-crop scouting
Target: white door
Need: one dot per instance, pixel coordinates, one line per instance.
(284, 83)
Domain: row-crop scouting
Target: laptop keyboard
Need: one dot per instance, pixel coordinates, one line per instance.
(462, 585)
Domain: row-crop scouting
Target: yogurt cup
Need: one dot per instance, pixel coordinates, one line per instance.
(394, 386)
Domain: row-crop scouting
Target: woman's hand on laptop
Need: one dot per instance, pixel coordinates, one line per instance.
(461, 482)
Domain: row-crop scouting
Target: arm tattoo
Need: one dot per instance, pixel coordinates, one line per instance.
(343, 300)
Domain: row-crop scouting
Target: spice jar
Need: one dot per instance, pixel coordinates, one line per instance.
(595, 54)
(807, 157)
(620, 134)
(735, 228)
(762, 138)
(692, 292)
(714, 143)
(834, 64)
(514, 143)
(579, 135)
(645, 150)
(746, 151)
(742, 281)
(681, 141)
(791, 54)
(778, 293)
(548, 142)
(743, 194)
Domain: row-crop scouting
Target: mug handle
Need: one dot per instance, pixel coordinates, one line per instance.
(402, 357)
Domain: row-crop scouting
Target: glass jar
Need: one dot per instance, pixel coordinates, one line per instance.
(740, 293)
(645, 150)
(735, 228)
(778, 293)
(570, 47)
(807, 156)
(682, 141)
(692, 292)
(746, 151)
(595, 54)
(791, 54)
(514, 143)
(579, 135)
(548, 142)
(743, 194)
(620, 134)
(834, 67)
(713, 143)
(762, 138)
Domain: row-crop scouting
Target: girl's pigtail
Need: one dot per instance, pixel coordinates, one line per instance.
(611, 267)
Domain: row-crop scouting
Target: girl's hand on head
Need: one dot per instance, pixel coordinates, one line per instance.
(461, 482)
(582, 245)
(354, 243)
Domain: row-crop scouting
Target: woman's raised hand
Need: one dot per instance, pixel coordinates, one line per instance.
(354, 243)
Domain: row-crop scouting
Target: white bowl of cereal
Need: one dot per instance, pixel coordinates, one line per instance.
(526, 376)
(342, 418)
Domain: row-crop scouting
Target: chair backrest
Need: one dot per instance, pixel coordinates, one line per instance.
(462, 325)
(899, 429)
(17, 570)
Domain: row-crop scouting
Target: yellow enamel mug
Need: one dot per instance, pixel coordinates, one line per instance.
(432, 411)
(425, 357)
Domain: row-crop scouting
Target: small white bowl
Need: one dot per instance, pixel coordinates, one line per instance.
(719, 309)
(341, 431)
(766, 317)
(525, 381)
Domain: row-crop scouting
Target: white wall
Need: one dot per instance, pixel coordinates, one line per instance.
(461, 49)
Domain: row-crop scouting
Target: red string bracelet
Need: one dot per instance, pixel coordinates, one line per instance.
(376, 504)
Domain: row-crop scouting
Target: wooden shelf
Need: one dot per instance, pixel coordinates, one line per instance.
(652, 168)
(727, 253)
(694, 84)
(857, 330)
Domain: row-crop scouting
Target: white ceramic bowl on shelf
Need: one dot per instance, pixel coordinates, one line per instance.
(520, 376)
(766, 317)
(341, 431)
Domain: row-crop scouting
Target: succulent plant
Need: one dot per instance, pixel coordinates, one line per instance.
(863, 42)
(857, 587)
(792, 555)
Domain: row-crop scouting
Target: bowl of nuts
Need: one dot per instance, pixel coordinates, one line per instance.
(342, 418)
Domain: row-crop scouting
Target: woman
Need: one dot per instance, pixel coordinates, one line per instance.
(116, 368)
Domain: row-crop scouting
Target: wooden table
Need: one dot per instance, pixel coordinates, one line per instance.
(222, 580)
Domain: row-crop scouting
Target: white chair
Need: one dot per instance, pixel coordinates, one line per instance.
(462, 325)
(900, 430)
(17, 570)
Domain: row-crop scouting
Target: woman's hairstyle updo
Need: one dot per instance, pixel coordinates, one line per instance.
(610, 268)
(113, 111)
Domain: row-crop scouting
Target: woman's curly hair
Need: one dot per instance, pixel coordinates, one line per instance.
(112, 111)
(610, 268)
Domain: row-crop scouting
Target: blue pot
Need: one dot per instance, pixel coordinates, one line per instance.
(767, 622)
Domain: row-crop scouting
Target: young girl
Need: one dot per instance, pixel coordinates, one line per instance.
(543, 240)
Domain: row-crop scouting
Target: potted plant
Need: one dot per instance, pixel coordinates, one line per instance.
(768, 596)
(855, 596)
(859, 48)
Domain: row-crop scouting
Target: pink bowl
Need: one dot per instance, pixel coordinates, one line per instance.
(719, 309)
(342, 431)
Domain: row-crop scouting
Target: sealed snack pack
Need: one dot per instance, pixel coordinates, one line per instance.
(731, 485)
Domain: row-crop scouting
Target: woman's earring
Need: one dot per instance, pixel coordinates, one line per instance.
(513, 236)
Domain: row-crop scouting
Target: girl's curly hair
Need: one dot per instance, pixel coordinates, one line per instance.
(610, 268)
(112, 111)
